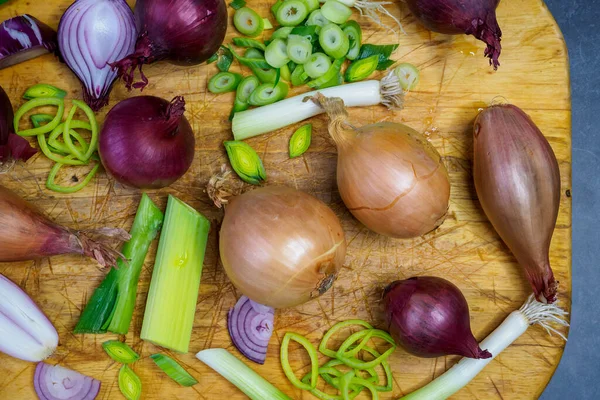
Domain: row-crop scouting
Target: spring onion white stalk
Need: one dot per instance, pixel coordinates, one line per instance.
(252, 384)
(250, 123)
(371, 10)
(530, 313)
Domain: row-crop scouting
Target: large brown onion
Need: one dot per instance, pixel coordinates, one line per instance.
(281, 247)
(518, 184)
(390, 178)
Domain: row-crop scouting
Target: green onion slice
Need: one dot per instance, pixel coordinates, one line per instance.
(250, 62)
(62, 159)
(340, 325)
(237, 4)
(237, 107)
(174, 370)
(267, 24)
(39, 102)
(361, 69)
(354, 32)
(336, 12)
(224, 82)
(359, 364)
(317, 65)
(408, 75)
(300, 140)
(285, 363)
(225, 58)
(89, 113)
(334, 41)
(265, 75)
(38, 120)
(52, 185)
(276, 7)
(58, 131)
(384, 52)
(299, 49)
(312, 4)
(276, 53)
(297, 76)
(248, 22)
(247, 42)
(286, 75)
(245, 162)
(254, 53)
(331, 78)
(245, 88)
(282, 33)
(129, 383)
(267, 94)
(291, 13)
(316, 18)
(120, 352)
(44, 90)
(345, 384)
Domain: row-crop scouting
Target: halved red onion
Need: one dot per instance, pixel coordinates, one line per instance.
(53, 382)
(23, 38)
(12, 146)
(250, 326)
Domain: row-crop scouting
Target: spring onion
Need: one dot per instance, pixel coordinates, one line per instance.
(299, 49)
(408, 75)
(111, 306)
(282, 33)
(173, 291)
(276, 53)
(335, 11)
(285, 363)
(331, 78)
(93, 128)
(517, 322)
(240, 375)
(276, 6)
(247, 42)
(225, 58)
(245, 162)
(63, 159)
(265, 75)
(299, 77)
(129, 383)
(334, 41)
(246, 87)
(267, 93)
(43, 90)
(316, 18)
(354, 32)
(312, 4)
(248, 22)
(173, 370)
(120, 352)
(317, 65)
(286, 75)
(39, 102)
(254, 53)
(52, 185)
(237, 4)
(250, 123)
(361, 69)
(300, 140)
(291, 13)
(224, 82)
(40, 119)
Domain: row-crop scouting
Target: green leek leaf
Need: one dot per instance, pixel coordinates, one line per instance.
(174, 370)
(129, 383)
(300, 140)
(245, 162)
(44, 90)
(120, 352)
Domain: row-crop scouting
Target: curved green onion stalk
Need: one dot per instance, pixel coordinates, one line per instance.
(253, 385)
(250, 123)
(517, 322)
(173, 370)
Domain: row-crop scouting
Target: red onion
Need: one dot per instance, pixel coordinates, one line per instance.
(184, 32)
(23, 38)
(518, 184)
(91, 35)
(12, 146)
(26, 234)
(429, 317)
(472, 17)
(147, 142)
(250, 326)
(53, 382)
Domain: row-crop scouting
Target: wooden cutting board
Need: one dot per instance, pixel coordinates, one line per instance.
(455, 82)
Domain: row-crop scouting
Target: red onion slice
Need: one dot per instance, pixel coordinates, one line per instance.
(53, 382)
(23, 38)
(250, 326)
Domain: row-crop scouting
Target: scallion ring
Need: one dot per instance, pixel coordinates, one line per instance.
(291, 13)
(299, 49)
(354, 33)
(334, 41)
(248, 22)
(336, 12)
(57, 157)
(285, 363)
(408, 75)
(224, 82)
(331, 78)
(282, 33)
(361, 69)
(276, 53)
(316, 18)
(317, 65)
(39, 102)
(93, 146)
(246, 87)
(268, 94)
(58, 131)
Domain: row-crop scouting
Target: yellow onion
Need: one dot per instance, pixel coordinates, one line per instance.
(281, 247)
(390, 178)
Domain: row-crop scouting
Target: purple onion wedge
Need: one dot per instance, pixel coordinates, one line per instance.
(23, 38)
(250, 326)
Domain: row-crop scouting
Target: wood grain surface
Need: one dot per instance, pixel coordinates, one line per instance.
(456, 81)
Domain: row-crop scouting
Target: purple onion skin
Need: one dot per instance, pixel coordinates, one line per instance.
(12, 146)
(34, 39)
(472, 17)
(184, 32)
(146, 142)
(429, 317)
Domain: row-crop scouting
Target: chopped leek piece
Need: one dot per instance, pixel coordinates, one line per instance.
(354, 33)
(39, 119)
(224, 82)
(317, 65)
(340, 325)
(224, 59)
(267, 24)
(334, 41)
(265, 75)
(297, 76)
(268, 94)
(300, 140)
(250, 62)
(335, 11)
(285, 363)
(384, 52)
(254, 53)
(312, 4)
(120, 352)
(331, 78)
(291, 12)
(174, 370)
(248, 22)
(286, 75)
(245, 162)
(247, 42)
(246, 87)
(382, 66)
(408, 75)
(282, 33)
(112, 303)
(173, 291)
(237, 107)
(239, 374)
(361, 69)
(316, 18)
(129, 383)
(299, 49)
(276, 53)
(276, 6)
(43, 90)
(237, 4)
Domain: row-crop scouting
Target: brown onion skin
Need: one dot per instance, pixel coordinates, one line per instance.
(281, 247)
(429, 317)
(518, 184)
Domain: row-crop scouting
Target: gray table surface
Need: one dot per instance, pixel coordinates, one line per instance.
(578, 374)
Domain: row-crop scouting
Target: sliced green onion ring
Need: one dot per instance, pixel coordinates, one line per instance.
(248, 42)
(300, 140)
(267, 24)
(267, 94)
(119, 351)
(245, 88)
(312, 4)
(316, 18)
(317, 65)
(353, 362)
(340, 325)
(408, 75)
(276, 53)
(43, 90)
(282, 33)
(291, 13)
(39, 102)
(330, 78)
(334, 41)
(224, 82)
(286, 75)
(94, 129)
(297, 76)
(245, 162)
(248, 22)
(174, 370)
(299, 49)
(354, 32)
(285, 363)
(361, 69)
(129, 383)
(38, 120)
(250, 62)
(52, 185)
(265, 75)
(336, 12)
(254, 53)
